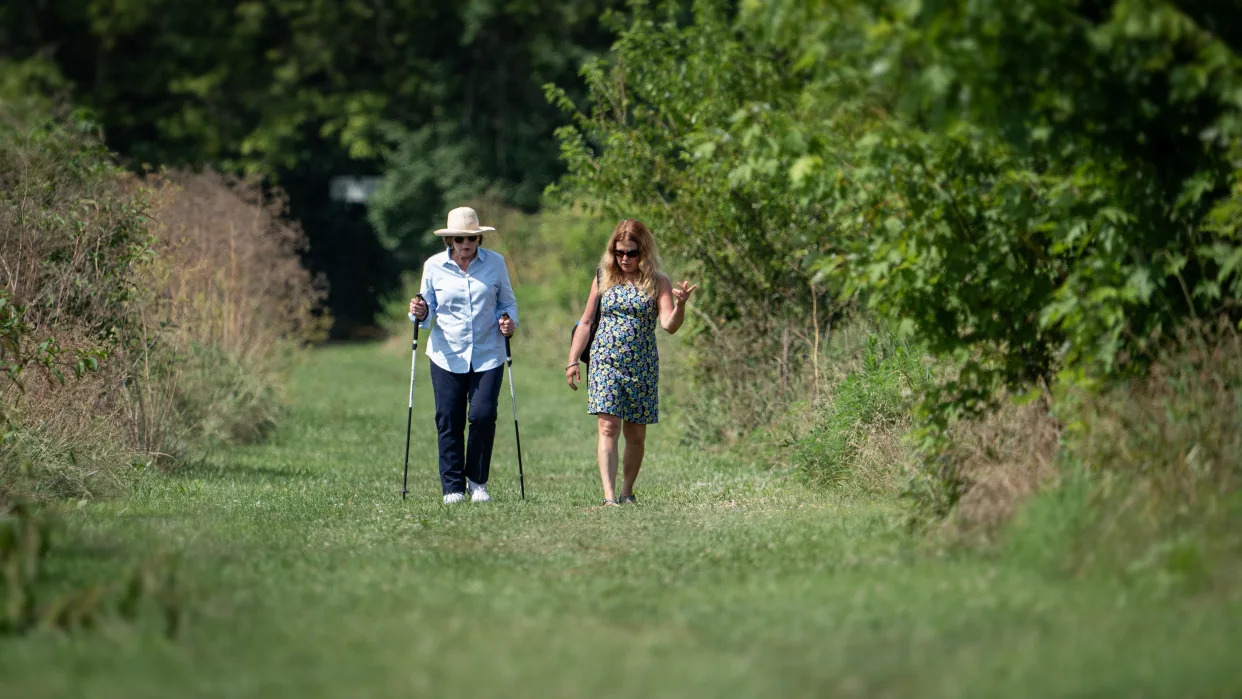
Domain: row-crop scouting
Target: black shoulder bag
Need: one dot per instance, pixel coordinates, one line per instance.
(586, 351)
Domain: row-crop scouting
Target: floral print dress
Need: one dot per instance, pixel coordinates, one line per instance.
(624, 373)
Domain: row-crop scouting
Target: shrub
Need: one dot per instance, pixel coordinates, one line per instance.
(986, 468)
(73, 234)
(677, 153)
(73, 241)
(135, 319)
(855, 442)
(908, 157)
(230, 303)
(1150, 474)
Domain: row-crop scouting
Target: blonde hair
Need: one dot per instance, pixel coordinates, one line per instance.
(631, 230)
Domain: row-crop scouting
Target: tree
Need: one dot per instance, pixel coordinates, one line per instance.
(1032, 189)
(303, 90)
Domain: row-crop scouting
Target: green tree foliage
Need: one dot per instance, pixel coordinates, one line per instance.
(304, 90)
(1070, 207)
(1030, 188)
(676, 115)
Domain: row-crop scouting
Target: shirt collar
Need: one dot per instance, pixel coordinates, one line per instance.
(479, 256)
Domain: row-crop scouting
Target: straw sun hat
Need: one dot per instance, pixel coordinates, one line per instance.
(463, 221)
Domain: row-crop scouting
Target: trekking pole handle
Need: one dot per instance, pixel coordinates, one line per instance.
(508, 352)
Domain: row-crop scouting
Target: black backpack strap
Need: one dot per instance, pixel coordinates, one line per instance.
(599, 302)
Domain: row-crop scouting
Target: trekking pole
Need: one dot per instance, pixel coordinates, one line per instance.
(513, 401)
(409, 416)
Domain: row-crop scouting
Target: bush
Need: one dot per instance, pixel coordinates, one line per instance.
(230, 303)
(73, 234)
(121, 348)
(74, 239)
(907, 157)
(855, 443)
(136, 320)
(676, 153)
(1148, 478)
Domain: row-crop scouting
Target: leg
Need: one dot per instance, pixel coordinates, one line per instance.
(484, 391)
(609, 431)
(450, 393)
(635, 447)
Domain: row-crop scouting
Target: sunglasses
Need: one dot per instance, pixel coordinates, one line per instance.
(631, 254)
(465, 238)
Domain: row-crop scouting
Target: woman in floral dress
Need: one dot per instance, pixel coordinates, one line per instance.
(624, 373)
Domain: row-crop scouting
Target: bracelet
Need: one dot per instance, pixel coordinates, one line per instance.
(567, 366)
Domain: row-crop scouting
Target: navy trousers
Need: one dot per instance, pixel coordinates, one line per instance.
(460, 398)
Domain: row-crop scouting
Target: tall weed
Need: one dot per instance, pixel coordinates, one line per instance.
(985, 468)
(228, 303)
(1137, 478)
(1176, 427)
(136, 317)
(855, 442)
(73, 235)
(1161, 455)
(748, 374)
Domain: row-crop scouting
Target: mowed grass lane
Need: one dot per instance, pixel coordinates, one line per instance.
(304, 574)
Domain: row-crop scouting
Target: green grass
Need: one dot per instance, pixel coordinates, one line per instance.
(305, 575)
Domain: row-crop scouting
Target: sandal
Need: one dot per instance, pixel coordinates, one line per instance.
(609, 501)
(629, 498)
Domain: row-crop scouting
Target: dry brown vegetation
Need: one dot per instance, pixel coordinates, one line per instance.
(229, 271)
(138, 316)
(1179, 426)
(1001, 460)
(229, 298)
(1153, 461)
(72, 232)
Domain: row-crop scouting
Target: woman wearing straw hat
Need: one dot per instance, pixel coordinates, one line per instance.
(467, 289)
(622, 387)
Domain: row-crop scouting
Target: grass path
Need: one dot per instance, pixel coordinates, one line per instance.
(305, 575)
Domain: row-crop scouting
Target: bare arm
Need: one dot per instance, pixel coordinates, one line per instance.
(672, 302)
(581, 334)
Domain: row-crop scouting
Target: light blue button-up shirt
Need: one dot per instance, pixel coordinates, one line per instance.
(467, 307)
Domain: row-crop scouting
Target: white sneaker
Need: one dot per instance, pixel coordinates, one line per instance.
(478, 491)
(454, 497)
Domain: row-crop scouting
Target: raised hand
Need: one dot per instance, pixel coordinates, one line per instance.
(682, 291)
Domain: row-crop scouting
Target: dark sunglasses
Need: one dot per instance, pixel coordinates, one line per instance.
(626, 253)
(465, 238)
